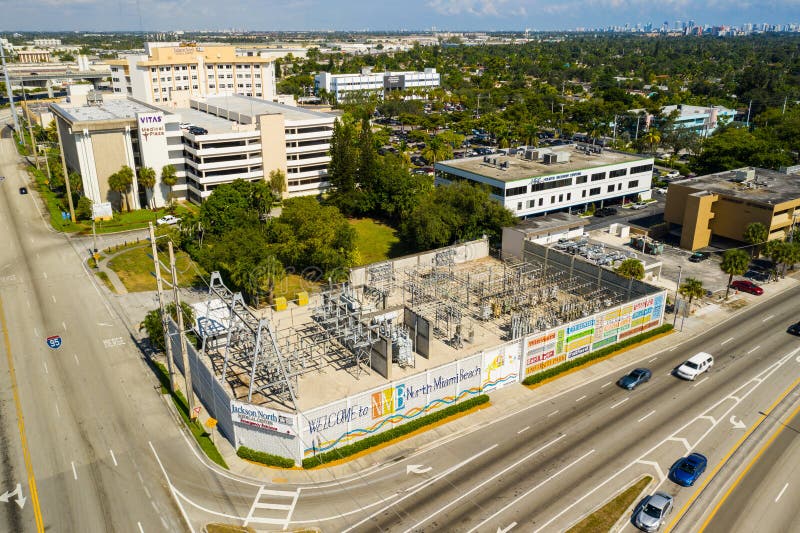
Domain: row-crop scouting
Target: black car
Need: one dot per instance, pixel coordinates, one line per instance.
(194, 130)
(23, 190)
(757, 275)
(605, 212)
(699, 256)
(794, 329)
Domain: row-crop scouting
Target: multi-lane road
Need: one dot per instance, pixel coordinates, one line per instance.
(99, 450)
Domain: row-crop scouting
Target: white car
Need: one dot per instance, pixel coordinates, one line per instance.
(674, 174)
(168, 220)
(638, 205)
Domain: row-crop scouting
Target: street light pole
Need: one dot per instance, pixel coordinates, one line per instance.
(10, 93)
(677, 288)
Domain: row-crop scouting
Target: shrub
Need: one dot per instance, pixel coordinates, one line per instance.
(580, 361)
(264, 458)
(391, 434)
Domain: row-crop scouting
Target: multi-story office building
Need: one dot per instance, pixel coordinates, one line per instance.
(235, 137)
(47, 43)
(702, 120)
(172, 74)
(537, 181)
(381, 83)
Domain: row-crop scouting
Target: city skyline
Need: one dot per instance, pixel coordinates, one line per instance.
(358, 15)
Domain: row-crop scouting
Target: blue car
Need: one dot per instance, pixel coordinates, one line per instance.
(640, 375)
(686, 471)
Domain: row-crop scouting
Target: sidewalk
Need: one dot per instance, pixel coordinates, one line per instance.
(507, 400)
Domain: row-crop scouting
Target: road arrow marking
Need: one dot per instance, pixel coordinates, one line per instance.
(417, 469)
(16, 492)
(737, 424)
(506, 529)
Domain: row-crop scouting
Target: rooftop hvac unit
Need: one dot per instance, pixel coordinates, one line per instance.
(531, 155)
(486, 159)
(562, 157)
(745, 174)
(549, 159)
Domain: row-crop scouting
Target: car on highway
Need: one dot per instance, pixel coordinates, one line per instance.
(23, 190)
(653, 512)
(794, 329)
(747, 286)
(634, 378)
(699, 256)
(167, 220)
(695, 365)
(687, 469)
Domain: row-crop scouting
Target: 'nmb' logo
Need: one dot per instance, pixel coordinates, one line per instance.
(388, 401)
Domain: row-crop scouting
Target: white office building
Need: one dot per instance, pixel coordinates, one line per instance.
(380, 83)
(568, 178)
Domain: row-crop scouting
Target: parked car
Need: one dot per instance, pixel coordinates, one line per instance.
(699, 256)
(673, 174)
(764, 265)
(653, 512)
(605, 212)
(167, 220)
(686, 471)
(794, 329)
(637, 376)
(757, 275)
(747, 286)
(638, 205)
(196, 130)
(695, 365)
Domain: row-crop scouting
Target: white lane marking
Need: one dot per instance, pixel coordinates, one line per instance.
(35, 332)
(768, 318)
(726, 341)
(147, 492)
(672, 349)
(554, 413)
(291, 510)
(529, 491)
(523, 430)
(113, 458)
(45, 274)
(699, 382)
(64, 325)
(53, 297)
(45, 369)
(661, 475)
(645, 416)
(606, 385)
(508, 528)
(781, 493)
(473, 489)
(74, 472)
(76, 359)
(753, 349)
(140, 527)
(653, 359)
(172, 489)
(584, 396)
(58, 411)
(620, 402)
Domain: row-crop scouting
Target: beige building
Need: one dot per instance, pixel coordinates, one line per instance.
(174, 73)
(33, 56)
(723, 204)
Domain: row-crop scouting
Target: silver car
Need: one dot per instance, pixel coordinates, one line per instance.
(653, 512)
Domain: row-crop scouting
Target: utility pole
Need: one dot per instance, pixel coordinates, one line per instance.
(47, 165)
(30, 126)
(164, 320)
(10, 93)
(785, 99)
(677, 287)
(66, 174)
(749, 107)
(187, 370)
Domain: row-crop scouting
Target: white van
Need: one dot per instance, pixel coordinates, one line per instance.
(696, 365)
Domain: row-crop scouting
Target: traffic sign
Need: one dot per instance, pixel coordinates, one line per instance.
(211, 422)
(54, 342)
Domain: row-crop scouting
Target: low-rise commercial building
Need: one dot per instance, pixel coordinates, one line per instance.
(702, 120)
(723, 204)
(533, 181)
(173, 73)
(380, 83)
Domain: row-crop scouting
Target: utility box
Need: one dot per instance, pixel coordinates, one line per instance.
(302, 298)
(280, 303)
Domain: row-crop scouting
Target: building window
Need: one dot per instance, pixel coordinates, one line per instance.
(531, 203)
(516, 191)
(519, 206)
(599, 176)
(553, 199)
(594, 191)
(611, 188)
(619, 172)
(619, 186)
(541, 201)
(569, 196)
(632, 184)
(581, 179)
(583, 193)
(560, 197)
(258, 85)
(642, 168)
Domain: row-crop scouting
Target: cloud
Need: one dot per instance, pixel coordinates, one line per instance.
(470, 7)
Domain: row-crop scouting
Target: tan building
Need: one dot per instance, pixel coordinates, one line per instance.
(723, 204)
(174, 73)
(33, 56)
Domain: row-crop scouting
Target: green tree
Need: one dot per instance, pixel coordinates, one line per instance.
(734, 147)
(236, 204)
(343, 166)
(781, 253)
(83, 211)
(436, 150)
(169, 178)
(366, 174)
(631, 268)
(756, 235)
(120, 182)
(147, 179)
(154, 328)
(277, 182)
(652, 138)
(734, 263)
(692, 288)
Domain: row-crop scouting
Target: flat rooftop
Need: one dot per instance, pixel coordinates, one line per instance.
(520, 169)
(212, 123)
(765, 186)
(244, 109)
(117, 109)
(550, 222)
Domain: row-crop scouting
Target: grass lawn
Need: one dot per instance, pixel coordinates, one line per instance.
(376, 241)
(604, 518)
(134, 267)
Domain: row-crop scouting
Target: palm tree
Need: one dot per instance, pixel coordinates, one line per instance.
(169, 178)
(436, 150)
(126, 175)
(118, 184)
(781, 253)
(734, 263)
(147, 179)
(756, 234)
(692, 288)
(653, 138)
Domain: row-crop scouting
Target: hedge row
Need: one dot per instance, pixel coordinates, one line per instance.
(264, 458)
(580, 361)
(398, 431)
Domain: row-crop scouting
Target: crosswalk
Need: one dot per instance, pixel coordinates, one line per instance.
(272, 507)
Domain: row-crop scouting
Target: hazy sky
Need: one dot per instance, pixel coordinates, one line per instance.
(390, 15)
